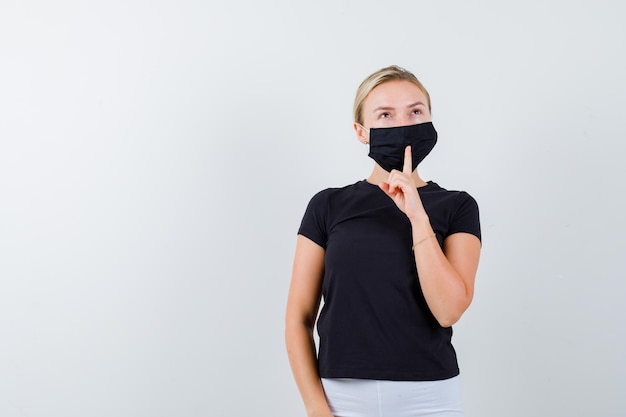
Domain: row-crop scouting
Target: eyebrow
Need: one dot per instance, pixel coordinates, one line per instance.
(417, 103)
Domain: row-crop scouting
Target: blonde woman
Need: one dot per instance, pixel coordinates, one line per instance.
(394, 258)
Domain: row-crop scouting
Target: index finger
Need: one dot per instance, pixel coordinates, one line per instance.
(408, 161)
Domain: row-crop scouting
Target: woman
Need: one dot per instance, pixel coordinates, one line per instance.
(395, 259)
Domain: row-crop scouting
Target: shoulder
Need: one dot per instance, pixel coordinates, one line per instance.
(458, 209)
(459, 197)
(321, 211)
(335, 193)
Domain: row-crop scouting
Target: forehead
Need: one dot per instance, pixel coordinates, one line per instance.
(394, 93)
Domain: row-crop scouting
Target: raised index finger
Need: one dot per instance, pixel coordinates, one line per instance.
(408, 162)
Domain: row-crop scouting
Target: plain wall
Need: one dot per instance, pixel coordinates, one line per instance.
(156, 158)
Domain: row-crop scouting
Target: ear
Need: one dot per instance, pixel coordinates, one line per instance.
(361, 134)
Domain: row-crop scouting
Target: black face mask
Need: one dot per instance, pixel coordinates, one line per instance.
(387, 145)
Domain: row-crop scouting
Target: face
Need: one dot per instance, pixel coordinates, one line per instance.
(391, 104)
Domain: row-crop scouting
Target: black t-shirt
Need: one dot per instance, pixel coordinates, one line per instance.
(375, 323)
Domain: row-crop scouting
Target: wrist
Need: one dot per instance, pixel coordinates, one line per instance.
(420, 224)
(424, 239)
(421, 231)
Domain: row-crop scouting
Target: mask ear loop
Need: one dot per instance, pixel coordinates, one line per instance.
(368, 132)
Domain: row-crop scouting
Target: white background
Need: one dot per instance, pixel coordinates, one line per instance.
(156, 158)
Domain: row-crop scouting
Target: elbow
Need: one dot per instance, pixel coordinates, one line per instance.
(297, 326)
(297, 320)
(298, 335)
(447, 317)
(447, 320)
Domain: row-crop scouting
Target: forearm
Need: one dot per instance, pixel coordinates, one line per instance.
(303, 361)
(446, 293)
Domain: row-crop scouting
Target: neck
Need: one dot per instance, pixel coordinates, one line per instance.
(379, 175)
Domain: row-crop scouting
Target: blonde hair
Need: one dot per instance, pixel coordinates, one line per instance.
(381, 76)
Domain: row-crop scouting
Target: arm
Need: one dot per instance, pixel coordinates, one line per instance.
(302, 306)
(446, 276)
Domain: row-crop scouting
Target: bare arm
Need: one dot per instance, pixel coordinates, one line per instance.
(302, 307)
(446, 276)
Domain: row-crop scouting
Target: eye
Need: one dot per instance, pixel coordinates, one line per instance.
(384, 115)
(417, 111)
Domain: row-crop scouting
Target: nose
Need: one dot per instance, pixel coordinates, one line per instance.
(404, 120)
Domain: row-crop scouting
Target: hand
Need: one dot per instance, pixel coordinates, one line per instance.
(401, 188)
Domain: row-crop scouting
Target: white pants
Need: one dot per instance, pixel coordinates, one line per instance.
(372, 398)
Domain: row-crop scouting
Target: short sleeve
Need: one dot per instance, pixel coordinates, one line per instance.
(466, 218)
(315, 220)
